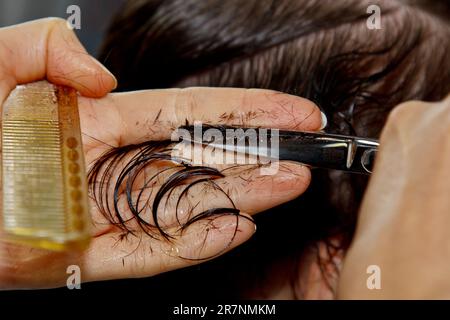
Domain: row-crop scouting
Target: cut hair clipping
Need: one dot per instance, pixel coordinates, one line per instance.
(44, 188)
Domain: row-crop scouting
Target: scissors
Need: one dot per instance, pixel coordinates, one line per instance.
(315, 149)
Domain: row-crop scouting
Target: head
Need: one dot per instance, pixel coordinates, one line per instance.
(320, 50)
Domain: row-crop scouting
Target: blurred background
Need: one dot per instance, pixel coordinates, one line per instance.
(95, 16)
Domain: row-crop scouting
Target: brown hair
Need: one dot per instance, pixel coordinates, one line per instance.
(320, 50)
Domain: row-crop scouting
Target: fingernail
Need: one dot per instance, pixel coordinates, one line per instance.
(324, 120)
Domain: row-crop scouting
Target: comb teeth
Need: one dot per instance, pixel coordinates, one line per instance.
(44, 188)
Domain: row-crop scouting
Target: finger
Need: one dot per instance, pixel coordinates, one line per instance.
(154, 114)
(135, 256)
(246, 190)
(48, 48)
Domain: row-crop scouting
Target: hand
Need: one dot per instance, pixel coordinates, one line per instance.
(404, 220)
(129, 118)
(47, 48)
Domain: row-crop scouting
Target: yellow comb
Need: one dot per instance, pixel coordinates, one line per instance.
(44, 195)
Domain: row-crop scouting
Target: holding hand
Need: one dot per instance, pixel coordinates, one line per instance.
(122, 119)
(403, 225)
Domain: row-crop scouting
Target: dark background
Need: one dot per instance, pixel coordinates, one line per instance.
(95, 15)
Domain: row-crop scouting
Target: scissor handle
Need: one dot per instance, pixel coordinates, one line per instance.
(330, 151)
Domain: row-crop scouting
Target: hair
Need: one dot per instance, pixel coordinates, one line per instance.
(320, 50)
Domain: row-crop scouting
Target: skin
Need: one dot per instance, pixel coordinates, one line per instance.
(53, 52)
(403, 223)
(404, 218)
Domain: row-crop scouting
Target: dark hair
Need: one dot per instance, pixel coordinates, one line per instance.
(320, 50)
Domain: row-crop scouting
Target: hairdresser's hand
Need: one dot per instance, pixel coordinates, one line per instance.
(404, 220)
(43, 49)
(48, 49)
(121, 119)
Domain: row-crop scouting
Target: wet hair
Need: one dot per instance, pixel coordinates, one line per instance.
(320, 50)
(117, 171)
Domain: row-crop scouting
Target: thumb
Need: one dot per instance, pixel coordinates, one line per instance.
(48, 48)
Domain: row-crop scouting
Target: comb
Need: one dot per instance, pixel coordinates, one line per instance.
(44, 190)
